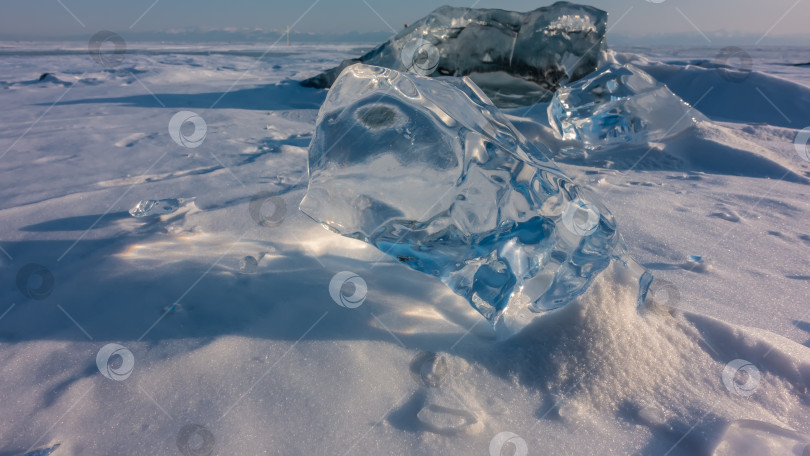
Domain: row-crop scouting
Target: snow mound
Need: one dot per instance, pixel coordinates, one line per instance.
(753, 97)
(603, 356)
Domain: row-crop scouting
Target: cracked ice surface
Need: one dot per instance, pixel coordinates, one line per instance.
(431, 173)
(619, 104)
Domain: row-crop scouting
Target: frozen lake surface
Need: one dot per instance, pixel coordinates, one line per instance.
(234, 333)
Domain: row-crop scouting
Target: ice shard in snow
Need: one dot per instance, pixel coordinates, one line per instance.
(430, 172)
(513, 56)
(619, 104)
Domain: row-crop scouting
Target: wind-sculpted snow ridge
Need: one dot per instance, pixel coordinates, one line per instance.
(430, 172)
(549, 46)
(619, 104)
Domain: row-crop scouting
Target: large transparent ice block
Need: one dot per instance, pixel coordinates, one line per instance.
(617, 104)
(547, 47)
(431, 173)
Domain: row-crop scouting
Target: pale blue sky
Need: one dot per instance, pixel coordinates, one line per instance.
(713, 18)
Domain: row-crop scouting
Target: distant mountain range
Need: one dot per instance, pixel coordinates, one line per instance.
(225, 36)
(258, 35)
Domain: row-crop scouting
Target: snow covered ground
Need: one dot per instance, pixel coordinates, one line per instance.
(247, 359)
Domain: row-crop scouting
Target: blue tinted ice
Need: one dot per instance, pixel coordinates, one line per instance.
(619, 103)
(517, 58)
(431, 173)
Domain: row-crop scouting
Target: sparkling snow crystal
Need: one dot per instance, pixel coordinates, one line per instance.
(431, 173)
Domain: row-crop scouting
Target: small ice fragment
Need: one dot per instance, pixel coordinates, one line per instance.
(248, 265)
(146, 208)
(619, 104)
(172, 308)
(43, 451)
(695, 263)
